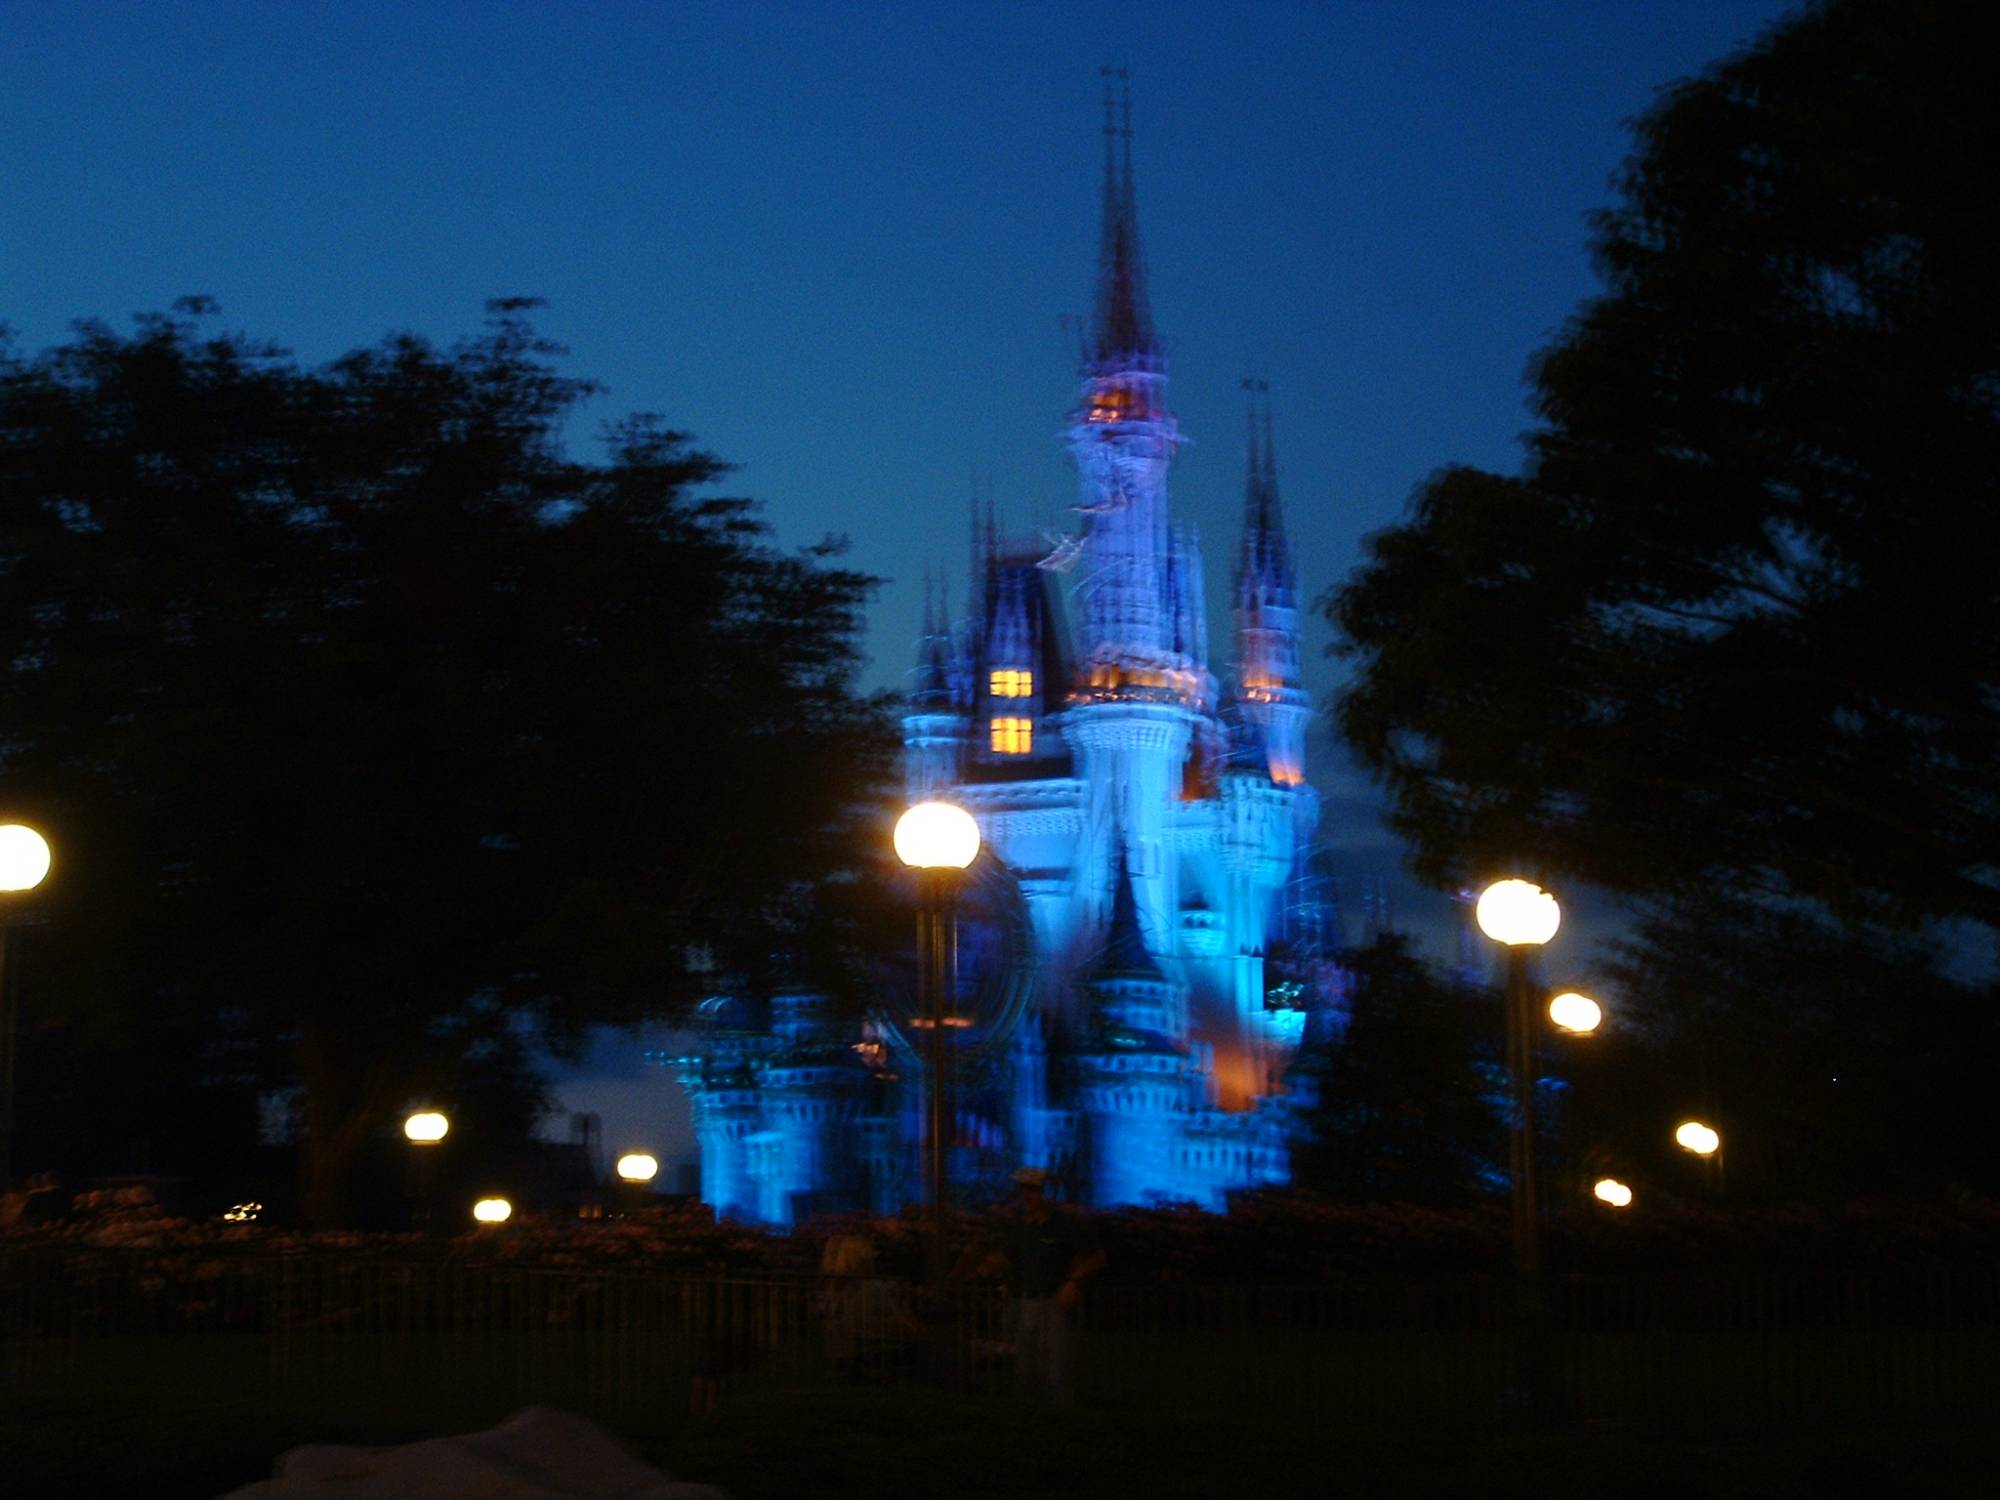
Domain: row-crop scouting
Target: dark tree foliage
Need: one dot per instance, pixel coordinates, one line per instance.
(1836, 1062)
(372, 729)
(1735, 624)
(1402, 1111)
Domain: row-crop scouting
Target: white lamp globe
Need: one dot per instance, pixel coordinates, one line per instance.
(937, 836)
(1518, 913)
(638, 1166)
(1611, 1191)
(1702, 1140)
(493, 1210)
(426, 1127)
(24, 857)
(1577, 1013)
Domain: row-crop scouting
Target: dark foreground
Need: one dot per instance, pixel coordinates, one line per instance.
(143, 1373)
(846, 1441)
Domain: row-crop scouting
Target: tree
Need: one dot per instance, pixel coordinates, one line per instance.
(374, 728)
(1401, 1109)
(1734, 627)
(1836, 1061)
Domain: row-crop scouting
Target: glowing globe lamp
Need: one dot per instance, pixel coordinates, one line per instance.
(1694, 1136)
(493, 1210)
(24, 857)
(1612, 1192)
(1518, 913)
(937, 836)
(638, 1166)
(426, 1127)
(1577, 1013)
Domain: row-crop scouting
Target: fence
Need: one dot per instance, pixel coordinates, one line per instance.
(362, 1334)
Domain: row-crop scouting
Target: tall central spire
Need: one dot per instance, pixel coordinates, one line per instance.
(1123, 324)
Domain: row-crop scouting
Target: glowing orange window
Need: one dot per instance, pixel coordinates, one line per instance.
(1008, 683)
(1013, 736)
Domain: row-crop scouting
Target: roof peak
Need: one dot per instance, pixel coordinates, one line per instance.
(1125, 954)
(1123, 324)
(1266, 558)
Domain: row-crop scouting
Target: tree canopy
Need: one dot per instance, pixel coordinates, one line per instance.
(1733, 628)
(1401, 1107)
(372, 727)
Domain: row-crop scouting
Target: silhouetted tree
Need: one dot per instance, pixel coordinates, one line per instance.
(373, 728)
(1403, 1110)
(1835, 1062)
(1735, 624)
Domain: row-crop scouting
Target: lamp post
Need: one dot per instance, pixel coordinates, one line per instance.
(24, 864)
(424, 1129)
(1700, 1139)
(638, 1167)
(1612, 1193)
(1522, 916)
(1579, 1015)
(636, 1171)
(937, 840)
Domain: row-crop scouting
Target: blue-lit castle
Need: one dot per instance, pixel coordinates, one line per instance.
(1146, 944)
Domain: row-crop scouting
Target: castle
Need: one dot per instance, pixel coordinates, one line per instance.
(1145, 945)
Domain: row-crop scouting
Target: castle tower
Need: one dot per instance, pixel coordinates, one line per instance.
(727, 1115)
(1270, 693)
(1138, 687)
(811, 1091)
(1132, 1069)
(1268, 811)
(934, 730)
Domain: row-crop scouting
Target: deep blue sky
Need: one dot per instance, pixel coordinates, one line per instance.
(835, 241)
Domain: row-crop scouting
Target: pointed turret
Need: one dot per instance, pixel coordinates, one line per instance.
(1122, 438)
(934, 724)
(1123, 322)
(1270, 693)
(1264, 575)
(930, 678)
(1125, 954)
(1132, 1069)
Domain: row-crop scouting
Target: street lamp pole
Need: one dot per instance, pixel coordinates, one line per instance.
(933, 899)
(938, 840)
(7, 1029)
(425, 1130)
(1523, 916)
(1521, 1118)
(24, 864)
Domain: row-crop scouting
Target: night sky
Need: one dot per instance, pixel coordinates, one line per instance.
(836, 242)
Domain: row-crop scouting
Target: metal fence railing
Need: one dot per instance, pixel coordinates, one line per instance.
(1734, 1349)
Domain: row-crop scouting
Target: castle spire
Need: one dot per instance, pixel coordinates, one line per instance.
(1271, 516)
(1264, 566)
(1125, 954)
(930, 679)
(1253, 478)
(1271, 701)
(1123, 324)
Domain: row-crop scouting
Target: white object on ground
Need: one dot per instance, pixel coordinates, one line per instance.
(536, 1454)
